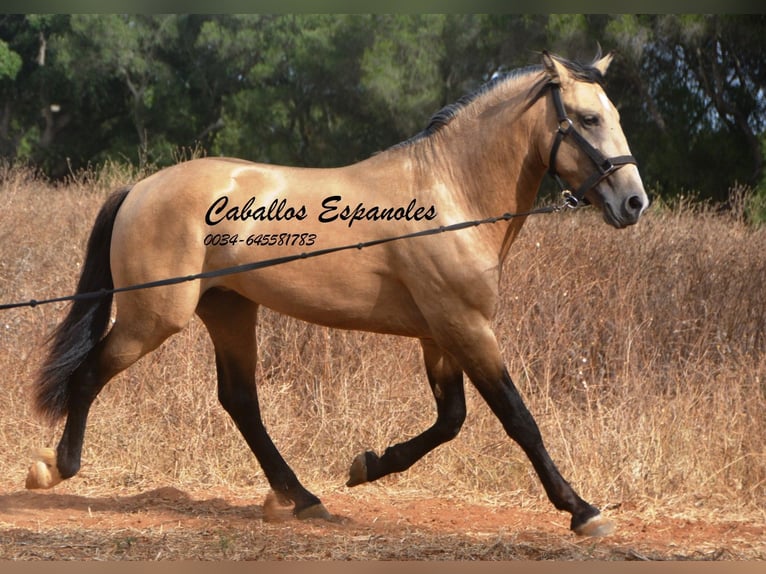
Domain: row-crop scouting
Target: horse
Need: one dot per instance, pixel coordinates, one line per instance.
(485, 154)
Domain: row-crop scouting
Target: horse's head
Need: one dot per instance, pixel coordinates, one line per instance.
(589, 149)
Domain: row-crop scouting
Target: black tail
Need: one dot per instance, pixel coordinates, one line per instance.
(87, 320)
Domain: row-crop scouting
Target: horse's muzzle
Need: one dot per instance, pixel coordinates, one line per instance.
(625, 211)
(620, 207)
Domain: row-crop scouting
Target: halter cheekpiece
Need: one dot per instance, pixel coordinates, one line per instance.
(606, 166)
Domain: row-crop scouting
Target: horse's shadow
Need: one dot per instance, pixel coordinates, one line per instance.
(168, 500)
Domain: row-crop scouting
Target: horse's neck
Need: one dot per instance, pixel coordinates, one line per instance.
(494, 167)
(484, 164)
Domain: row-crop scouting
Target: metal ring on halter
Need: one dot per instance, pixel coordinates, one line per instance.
(570, 200)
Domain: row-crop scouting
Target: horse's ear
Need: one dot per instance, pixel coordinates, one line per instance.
(602, 65)
(556, 70)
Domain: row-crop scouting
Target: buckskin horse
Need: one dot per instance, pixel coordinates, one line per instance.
(483, 155)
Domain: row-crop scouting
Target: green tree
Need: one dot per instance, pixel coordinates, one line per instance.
(328, 90)
(10, 65)
(724, 56)
(28, 118)
(299, 103)
(401, 69)
(10, 62)
(103, 51)
(698, 80)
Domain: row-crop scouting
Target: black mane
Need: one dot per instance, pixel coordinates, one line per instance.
(583, 72)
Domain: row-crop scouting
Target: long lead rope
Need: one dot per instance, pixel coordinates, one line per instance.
(281, 260)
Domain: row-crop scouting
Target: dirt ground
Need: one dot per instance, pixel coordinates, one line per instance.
(168, 523)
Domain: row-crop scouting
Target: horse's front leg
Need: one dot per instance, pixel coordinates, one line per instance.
(446, 380)
(480, 357)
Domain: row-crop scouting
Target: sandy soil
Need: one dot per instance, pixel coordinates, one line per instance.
(167, 523)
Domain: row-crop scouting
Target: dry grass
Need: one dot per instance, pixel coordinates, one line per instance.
(641, 353)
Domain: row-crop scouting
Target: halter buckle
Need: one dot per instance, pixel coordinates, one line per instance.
(565, 126)
(607, 167)
(570, 200)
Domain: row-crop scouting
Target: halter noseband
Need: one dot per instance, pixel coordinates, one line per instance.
(606, 166)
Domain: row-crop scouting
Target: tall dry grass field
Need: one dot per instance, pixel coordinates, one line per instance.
(642, 354)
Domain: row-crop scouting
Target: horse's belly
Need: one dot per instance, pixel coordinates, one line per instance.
(335, 294)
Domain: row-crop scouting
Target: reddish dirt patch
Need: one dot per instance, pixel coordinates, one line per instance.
(168, 523)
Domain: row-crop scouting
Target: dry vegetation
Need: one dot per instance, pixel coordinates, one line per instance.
(642, 354)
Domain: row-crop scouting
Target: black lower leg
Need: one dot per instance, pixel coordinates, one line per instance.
(230, 320)
(84, 387)
(282, 479)
(446, 381)
(237, 393)
(506, 402)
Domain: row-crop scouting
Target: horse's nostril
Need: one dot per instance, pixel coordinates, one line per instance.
(636, 203)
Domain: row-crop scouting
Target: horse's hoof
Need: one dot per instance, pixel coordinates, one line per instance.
(357, 474)
(276, 509)
(43, 473)
(595, 526)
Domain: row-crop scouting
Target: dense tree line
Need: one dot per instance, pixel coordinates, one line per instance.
(326, 90)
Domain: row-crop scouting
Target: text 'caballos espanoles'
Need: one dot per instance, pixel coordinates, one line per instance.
(332, 209)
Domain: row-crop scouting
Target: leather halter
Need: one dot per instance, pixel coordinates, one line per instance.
(606, 166)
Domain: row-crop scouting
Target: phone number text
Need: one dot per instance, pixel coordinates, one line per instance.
(261, 239)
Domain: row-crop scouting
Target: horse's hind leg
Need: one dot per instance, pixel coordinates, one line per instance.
(230, 320)
(63, 463)
(136, 332)
(446, 380)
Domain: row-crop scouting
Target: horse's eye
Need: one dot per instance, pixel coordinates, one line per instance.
(590, 121)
